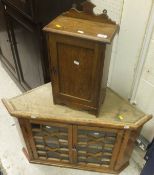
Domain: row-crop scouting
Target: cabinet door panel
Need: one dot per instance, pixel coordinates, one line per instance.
(6, 45)
(74, 64)
(27, 50)
(97, 147)
(75, 69)
(52, 141)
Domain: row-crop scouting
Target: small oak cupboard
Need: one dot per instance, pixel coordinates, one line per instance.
(76, 43)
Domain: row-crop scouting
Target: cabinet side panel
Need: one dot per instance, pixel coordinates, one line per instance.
(106, 66)
(103, 68)
(22, 123)
(126, 148)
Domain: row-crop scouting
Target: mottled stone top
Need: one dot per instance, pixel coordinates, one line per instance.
(38, 104)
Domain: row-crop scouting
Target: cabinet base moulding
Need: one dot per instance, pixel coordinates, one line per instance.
(102, 170)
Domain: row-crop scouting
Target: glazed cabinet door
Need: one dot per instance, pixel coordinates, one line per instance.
(82, 147)
(52, 141)
(26, 40)
(96, 147)
(6, 44)
(75, 69)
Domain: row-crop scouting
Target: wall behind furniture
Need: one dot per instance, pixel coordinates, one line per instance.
(145, 93)
(114, 8)
(132, 30)
(133, 17)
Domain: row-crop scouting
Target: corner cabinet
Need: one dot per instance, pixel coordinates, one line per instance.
(60, 136)
(22, 42)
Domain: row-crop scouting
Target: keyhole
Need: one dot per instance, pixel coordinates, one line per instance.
(76, 62)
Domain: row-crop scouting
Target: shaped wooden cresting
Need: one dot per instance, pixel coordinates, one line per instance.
(77, 43)
(61, 136)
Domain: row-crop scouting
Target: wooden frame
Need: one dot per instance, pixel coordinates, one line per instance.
(121, 152)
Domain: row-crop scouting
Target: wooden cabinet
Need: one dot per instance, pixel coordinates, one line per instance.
(76, 72)
(61, 136)
(24, 6)
(22, 42)
(27, 51)
(6, 45)
(77, 53)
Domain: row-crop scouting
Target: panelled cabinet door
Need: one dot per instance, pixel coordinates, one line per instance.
(96, 147)
(75, 70)
(6, 45)
(27, 51)
(52, 142)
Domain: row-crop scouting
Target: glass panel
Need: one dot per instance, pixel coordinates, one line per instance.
(51, 142)
(95, 147)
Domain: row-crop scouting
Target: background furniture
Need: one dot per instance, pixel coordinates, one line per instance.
(149, 157)
(22, 44)
(77, 43)
(58, 135)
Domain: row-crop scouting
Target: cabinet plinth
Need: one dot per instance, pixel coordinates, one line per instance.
(77, 44)
(58, 135)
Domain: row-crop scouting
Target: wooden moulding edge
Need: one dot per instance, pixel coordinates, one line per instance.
(88, 37)
(142, 121)
(74, 166)
(7, 104)
(89, 122)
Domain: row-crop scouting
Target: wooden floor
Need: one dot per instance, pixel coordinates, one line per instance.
(11, 144)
